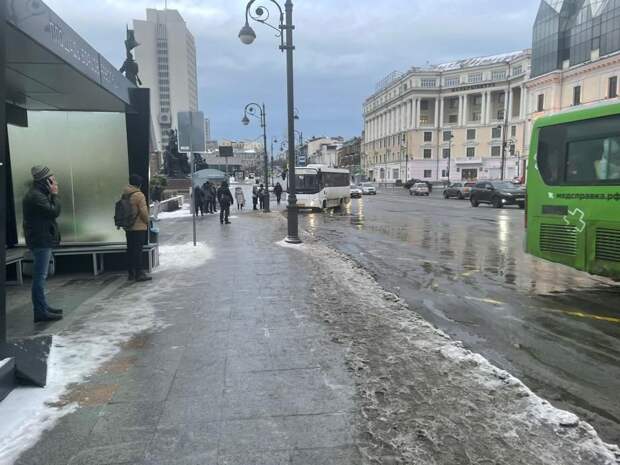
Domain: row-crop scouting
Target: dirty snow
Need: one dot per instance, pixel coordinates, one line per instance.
(426, 400)
(183, 257)
(184, 212)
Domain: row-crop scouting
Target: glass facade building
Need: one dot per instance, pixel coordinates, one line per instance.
(574, 31)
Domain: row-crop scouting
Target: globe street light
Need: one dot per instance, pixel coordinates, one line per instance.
(258, 111)
(285, 33)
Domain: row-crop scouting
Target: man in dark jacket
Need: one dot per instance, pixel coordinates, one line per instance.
(199, 201)
(41, 208)
(225, 198)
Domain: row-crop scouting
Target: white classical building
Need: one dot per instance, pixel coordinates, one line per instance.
(462, 120)
(167, 60)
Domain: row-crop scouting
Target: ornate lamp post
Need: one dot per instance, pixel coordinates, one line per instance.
(285, 33)
(258, 111)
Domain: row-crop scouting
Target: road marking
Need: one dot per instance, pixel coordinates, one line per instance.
(580, 314)
(486, 301)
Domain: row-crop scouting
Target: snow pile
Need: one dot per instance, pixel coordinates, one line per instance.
(428, 400)
(184, 212)
(183, 257)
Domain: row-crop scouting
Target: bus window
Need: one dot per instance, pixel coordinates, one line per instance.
(581, 153)
(307, 184)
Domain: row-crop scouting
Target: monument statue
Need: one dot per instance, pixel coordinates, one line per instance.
(130, 67)
(176, 165)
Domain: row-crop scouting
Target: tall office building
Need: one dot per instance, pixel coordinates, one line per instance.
(207, 129)
(167, 60)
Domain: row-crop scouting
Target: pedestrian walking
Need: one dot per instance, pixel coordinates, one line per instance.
(136, 230)
(41, 208)
(199, 201)
(278, 191)
(240, 198)
(261, 196)
(225, 198)
(255, 195)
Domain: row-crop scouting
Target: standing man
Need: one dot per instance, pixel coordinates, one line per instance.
(199, 201)
(224, 196)
(255, 195)
(41, 208)
(137, 233)
(261, 196)
(278, 191)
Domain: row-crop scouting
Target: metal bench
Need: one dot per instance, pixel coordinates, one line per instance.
(16, 257)
(98, 254)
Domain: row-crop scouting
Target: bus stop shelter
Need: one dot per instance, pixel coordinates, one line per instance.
(61, 104)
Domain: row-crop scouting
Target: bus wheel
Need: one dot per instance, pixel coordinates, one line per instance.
(497, 203)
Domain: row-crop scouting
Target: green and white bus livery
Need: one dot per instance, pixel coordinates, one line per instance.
(573, 189)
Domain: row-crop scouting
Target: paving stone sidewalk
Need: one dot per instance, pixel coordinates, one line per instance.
(243, 373)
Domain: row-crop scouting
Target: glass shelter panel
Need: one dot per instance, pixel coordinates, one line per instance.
(88, 154)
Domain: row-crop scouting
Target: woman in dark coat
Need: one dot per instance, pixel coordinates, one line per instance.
(278, 191)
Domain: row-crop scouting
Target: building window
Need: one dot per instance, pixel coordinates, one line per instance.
(452, 82)
(424, 105)
(395, 173)
(428, 153)
(474, 77)
(513, 149)
(498, 75)
(444, 173)
(429, 83)
(428, 137)
(496, 133)
(513, 131)
(475, 116)
(517, 70)
(541, 102)
(428, 174)
(471, 134)
(446, 153)
(613, 87)
(577, 95)
(471, 152)
(453, 119)
(447, 135)
(496, 151)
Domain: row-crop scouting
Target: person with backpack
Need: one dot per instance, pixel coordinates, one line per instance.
(132, 215)
(41, 209)
(225, 198)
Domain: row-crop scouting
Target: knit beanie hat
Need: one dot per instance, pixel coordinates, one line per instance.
(39, 173)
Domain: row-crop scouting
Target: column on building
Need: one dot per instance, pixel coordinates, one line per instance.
(416, 123)
(460, 115)
(484, 113)
(523, 107)
(507, 104)
(465, 109)
(436, 112)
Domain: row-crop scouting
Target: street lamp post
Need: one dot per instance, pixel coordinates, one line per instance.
(285, 32)
(252, 109)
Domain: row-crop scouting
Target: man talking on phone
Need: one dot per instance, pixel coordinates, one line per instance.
(41, 208)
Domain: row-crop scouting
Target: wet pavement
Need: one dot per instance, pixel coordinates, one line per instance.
(464, 270)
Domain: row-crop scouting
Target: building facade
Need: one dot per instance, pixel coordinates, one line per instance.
(167, 60)
(349, 157)
(575, 55)
(463, 120)
(323, 150)
(207, 129)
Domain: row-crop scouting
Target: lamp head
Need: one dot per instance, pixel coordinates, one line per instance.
(247, 34)
(245, 120)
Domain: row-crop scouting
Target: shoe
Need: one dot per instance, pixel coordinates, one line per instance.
(143, 278)
(47, 316)
(228, 222)
(55, 311)
(221, 222)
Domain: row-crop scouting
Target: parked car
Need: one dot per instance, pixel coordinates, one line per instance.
(420, 188)
(368, 188)
(498, 194)
(458, 190)
(409, 184)
(356, 192)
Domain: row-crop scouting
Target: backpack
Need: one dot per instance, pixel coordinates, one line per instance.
(123, 213)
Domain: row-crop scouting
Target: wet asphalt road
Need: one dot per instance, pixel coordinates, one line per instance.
(465, 271)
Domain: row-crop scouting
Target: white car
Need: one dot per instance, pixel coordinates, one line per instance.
(356, 192)
(420, 188)
(368, 188)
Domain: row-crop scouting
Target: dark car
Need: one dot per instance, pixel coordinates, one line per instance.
(409, 184)
(498, 194)
(459, 190)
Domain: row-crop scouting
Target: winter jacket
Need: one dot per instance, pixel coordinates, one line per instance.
(255, 192)
(139, 208)
(209, 196)
(240, 197)
(224, 197)
(40, 212)
(278, 189)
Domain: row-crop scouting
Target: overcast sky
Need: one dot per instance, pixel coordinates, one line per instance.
(343, 48)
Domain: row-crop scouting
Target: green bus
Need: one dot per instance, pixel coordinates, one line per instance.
(573, 189)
